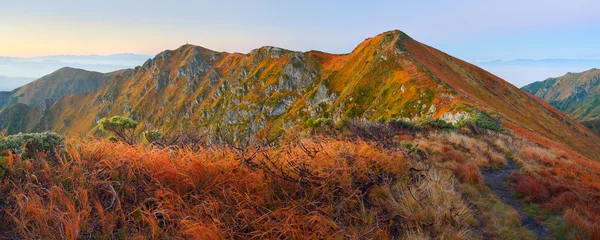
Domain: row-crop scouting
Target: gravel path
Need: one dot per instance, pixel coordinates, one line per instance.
(497, 180)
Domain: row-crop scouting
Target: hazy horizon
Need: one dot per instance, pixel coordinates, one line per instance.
(475, 31)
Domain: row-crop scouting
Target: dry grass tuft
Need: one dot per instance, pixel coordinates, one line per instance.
(469, 173)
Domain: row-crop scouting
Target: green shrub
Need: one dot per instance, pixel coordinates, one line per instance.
(152, 135)
(408, 145)
(318, 122)
(436, 124)
(481, 120)
(381, 119)
(30, 144)
(123, 128)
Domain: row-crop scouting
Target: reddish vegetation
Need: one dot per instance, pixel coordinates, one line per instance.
(468, 173)
(452, 155)
(563, 183)
(530, 187)
(317, 189)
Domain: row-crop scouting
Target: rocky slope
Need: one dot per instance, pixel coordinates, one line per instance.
(271, 89)
(577, 94)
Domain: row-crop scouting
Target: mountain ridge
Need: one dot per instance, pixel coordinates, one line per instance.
(271, 89)
(576, 94)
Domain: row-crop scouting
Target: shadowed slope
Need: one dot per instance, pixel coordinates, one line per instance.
(576, 94)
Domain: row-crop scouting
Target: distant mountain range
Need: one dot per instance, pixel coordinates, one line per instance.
(23, 70)
(10, 83)
(270, 89)
(520, 72)
(577, 94)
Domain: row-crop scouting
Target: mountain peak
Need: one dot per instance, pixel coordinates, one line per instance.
(70, 70)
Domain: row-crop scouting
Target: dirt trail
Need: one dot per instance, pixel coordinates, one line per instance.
(497, 180)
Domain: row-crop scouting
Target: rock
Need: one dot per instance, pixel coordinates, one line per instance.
(455, 117)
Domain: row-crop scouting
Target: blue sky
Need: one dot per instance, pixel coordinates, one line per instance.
(470, 30)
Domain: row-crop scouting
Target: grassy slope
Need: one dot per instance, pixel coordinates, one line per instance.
(577, 94)
(521, 111)
(63, 82)
(16, 117)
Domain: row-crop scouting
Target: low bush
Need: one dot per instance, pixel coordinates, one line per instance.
(318, 122)
(152, 136)
(479, 120)
(409, 146)
(436, 124)
(402, 125)
(378, 132)
(30, 144)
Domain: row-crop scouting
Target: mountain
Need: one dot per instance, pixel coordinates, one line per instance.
(10, 83)
(22, 108)
(63, 82)
(36, 67)
(577, 94)
(520, 72)
(270, 90)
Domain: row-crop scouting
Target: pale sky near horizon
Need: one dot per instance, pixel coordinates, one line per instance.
(471, 30)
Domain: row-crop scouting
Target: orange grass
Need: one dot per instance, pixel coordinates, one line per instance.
(99, 189)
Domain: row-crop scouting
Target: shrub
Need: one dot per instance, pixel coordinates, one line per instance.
(30, 144)
(479, 119)
(152, 136)
(408, 145)
(437, 123)
(322, 126)
(123, 128)
(372, 131)
(402, 125)
(318, 122)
